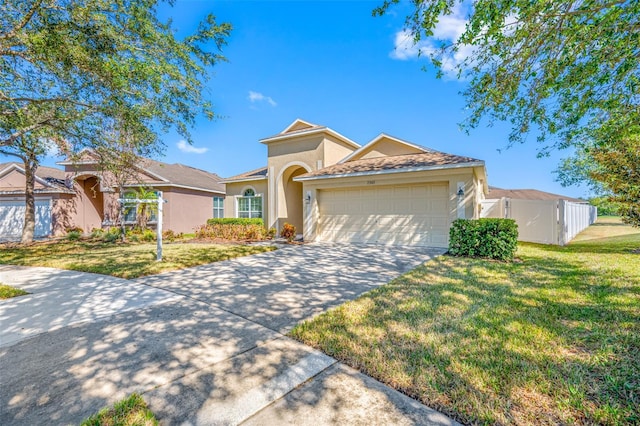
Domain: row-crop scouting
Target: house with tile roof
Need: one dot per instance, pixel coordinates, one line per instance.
(387, 191)
(81, 195)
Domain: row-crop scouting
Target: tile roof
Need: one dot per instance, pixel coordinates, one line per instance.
(528, 194)
(179, 174)
(253, 174)
(392, 163)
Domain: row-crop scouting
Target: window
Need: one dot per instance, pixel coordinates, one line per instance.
(131, 210)
(250, 204)
(218, 207)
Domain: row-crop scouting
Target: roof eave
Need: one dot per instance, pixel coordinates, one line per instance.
(247, 179)
(391, 171)
(172, 185)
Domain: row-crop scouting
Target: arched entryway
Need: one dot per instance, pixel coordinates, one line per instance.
(291, 198)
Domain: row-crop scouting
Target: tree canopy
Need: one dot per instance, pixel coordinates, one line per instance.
(562, 68)
(69, 68)
(72, 71)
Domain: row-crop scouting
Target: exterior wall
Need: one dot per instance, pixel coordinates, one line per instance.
(387, 147)
(236, 189)
(335, 150)
(64, 213)
(186, 209)
(452, 176)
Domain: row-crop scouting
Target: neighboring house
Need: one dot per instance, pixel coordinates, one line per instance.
(388, 191)
(527, 194)
(82, 196)
(52, 196)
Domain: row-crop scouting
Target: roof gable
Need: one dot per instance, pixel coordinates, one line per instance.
(298, 125)
(47, 179)
(384, 145)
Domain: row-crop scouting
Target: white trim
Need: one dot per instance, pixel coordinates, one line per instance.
(244, 188)
(377, 139)
(296, 121)
(391, 171)
(271, 192)
(247, 179)
(333, 133)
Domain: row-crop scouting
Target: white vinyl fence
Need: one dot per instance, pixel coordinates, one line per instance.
(543, 221)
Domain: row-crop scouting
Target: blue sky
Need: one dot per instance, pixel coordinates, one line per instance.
(331, 63)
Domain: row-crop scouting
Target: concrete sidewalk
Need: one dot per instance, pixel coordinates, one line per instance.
(60, 298)
(83, 341)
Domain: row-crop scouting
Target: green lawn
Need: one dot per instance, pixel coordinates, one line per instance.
(126, 260)
(7, 292)
(131, 411)
(553, 338)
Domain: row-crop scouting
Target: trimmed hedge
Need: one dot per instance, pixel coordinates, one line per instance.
(235, 221)
(492, 238)
(233, 232)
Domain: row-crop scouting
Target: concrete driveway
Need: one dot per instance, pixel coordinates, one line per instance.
(203, 345)
(279, 289)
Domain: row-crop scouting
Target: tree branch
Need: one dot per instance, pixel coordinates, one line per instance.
(24, 21)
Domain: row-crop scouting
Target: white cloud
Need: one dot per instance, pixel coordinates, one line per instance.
(190, 149)
(259, 97)
(448, 29)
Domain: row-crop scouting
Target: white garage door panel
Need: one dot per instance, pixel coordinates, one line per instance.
(12, 218)
(407, 214)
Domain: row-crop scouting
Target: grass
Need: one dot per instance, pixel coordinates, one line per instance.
(552, 339)
(125, 260)
(131, 411)
(7, 292)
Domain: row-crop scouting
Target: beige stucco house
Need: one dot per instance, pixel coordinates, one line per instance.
(80, 195)
(387, 191)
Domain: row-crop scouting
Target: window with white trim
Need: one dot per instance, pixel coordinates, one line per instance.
(133, 208)
(218, 207)
(250, 204)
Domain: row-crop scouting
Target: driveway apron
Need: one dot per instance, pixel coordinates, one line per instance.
(204, 346)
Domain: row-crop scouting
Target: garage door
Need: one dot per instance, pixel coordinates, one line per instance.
(12, 218)
(407, 214)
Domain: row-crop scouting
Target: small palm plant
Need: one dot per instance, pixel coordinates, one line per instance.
(144, 211)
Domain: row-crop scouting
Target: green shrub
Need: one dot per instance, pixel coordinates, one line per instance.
(288, 232)
(148, 235)
(232, 232)
(112, 235)
(97, 233)
(235, 221)
(492, 238)
(74, 229)
(74, 235)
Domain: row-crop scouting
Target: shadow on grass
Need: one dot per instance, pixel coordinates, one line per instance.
(546, 341)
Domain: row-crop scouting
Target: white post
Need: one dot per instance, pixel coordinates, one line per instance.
(159, 227)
